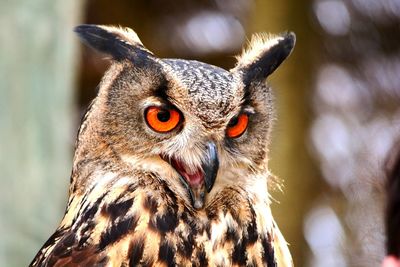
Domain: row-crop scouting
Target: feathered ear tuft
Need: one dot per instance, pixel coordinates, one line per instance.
(120, 43)
(263, 55)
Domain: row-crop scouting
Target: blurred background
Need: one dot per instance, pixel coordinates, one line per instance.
(338, 99)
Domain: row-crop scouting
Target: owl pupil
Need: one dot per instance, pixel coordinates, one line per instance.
(163, 115)
(233, 122)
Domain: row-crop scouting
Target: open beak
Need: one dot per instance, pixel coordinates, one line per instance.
(199, 182)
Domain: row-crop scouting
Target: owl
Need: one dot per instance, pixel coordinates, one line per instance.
(171, 161)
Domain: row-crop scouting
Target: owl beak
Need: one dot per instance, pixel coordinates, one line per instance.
(210, 169)
(210, 165)
(201, 181)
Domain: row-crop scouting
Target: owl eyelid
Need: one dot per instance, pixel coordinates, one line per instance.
(162, 104)
(247, 110)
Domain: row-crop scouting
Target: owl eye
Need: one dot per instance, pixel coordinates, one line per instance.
(161, 119)
(237, 126)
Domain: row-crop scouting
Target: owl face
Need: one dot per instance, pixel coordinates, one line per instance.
(196, 125)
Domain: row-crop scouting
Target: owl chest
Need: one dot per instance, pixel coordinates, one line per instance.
(187, 241)
(145, 231)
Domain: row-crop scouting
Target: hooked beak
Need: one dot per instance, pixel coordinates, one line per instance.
(210, 166)
(197, 183)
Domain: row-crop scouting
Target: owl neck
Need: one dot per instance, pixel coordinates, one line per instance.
(93, 153)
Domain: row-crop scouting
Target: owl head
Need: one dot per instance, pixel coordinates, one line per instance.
(196, 126)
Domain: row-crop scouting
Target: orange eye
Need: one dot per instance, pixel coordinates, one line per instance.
(237, 126)
(162, 120)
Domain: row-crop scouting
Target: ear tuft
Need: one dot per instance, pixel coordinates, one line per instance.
(264, 54)
(125, 34)
(120, 43)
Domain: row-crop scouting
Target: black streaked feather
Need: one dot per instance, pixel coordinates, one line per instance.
(135, 252)
(166, 222)
(117, 230)
(268, 251)
(239, 254)
(115, 210)
(166, 254)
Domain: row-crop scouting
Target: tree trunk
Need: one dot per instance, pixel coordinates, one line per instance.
(38, 54)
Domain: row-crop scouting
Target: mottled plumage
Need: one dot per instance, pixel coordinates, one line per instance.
(190, 196)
